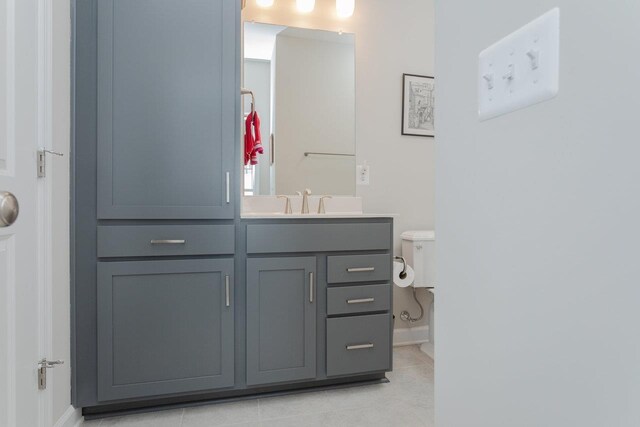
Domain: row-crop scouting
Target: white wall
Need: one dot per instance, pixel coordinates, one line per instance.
(315, 105)
(59, 174)
(538, 226)
(392, 38)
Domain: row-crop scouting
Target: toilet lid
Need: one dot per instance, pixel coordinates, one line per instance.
(419, 235)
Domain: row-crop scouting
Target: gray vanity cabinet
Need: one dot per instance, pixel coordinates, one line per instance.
(166, 109)
(157, 237)
(164, 327)
(281, 319)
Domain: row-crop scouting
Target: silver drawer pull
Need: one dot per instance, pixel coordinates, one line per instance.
(169, 242)
(360, 301)
(227, 291)
(311, 287)
(360, 269)
(360, 346)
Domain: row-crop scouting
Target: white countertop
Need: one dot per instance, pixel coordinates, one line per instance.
(272, 207)
(334, 215)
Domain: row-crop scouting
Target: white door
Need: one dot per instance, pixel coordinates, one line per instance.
(20, 337)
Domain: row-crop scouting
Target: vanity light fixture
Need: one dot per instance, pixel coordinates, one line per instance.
(345, 8)
(305, 6)
(264, 3)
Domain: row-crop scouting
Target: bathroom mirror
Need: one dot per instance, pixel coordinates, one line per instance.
(303, 83)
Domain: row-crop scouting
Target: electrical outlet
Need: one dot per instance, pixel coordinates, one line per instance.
(362, 174)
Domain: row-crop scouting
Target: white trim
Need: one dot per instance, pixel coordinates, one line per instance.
(9, 247)
(428, 349)
(410, 336)
(44, 201)
(8, 169)
(8, 238)
(72, 417)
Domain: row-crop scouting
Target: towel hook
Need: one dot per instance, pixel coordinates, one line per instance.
(253, 98)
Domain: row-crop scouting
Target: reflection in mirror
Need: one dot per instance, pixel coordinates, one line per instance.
(304, 85)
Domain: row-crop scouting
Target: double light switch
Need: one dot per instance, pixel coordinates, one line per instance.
(522, 69)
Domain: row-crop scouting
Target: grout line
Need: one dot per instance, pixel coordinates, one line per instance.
(293, 396)
(240, 423)
(312, 412)
(412, 366)
(259, 411)
(306, 413)
(295, 416)
(345, 409)
(299, 414)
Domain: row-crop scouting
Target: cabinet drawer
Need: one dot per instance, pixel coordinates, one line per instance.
(358, 344)
(358, 268)
(165, 240)
(297, 238)
(358, 299)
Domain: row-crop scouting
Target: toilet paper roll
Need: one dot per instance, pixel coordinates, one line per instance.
(407, 281)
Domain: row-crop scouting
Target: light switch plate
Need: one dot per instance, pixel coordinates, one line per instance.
(522, 69)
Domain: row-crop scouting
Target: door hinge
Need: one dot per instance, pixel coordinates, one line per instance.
(42, 161)
(43, 365)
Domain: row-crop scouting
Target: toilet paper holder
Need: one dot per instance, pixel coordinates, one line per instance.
(405, 315)
(403, 273)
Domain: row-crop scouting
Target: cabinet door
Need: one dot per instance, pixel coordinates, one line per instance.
(164, 327)
(167, 97)
(281, 320)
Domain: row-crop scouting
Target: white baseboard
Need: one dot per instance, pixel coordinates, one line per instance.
(72, 417)
(427, 348)
(410, 336)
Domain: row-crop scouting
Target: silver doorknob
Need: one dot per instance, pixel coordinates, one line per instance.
(9, 209)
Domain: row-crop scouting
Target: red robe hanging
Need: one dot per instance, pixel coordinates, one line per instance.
(252, 139)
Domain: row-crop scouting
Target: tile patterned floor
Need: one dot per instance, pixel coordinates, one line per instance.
(406, 401)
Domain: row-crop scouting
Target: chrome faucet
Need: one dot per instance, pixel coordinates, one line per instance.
(305, 201)
(287, 205)
(321, 209)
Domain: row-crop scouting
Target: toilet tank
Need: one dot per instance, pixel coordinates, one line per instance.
(418, 249)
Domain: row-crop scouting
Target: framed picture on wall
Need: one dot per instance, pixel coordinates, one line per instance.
(418, 104)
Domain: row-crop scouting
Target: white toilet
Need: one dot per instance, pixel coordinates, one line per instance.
(418, 249)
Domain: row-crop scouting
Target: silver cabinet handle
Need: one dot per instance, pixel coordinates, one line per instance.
(360, 269)
(227, 290)
(359, 346)
(169, 242)
(228, 188)
(360, 301)
(311, 287)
